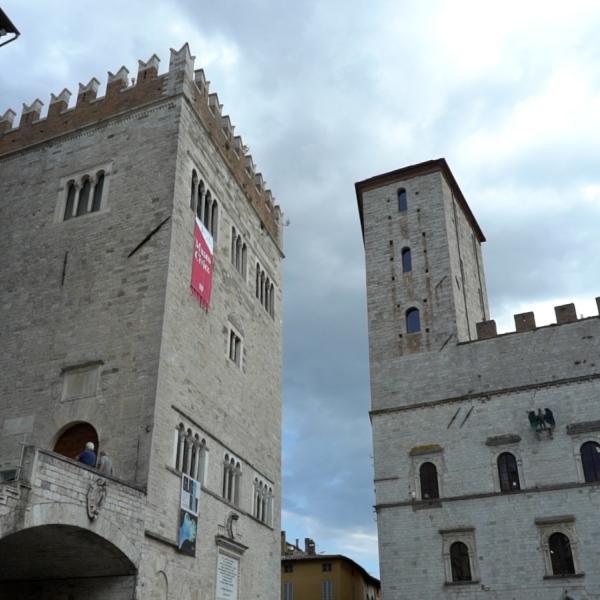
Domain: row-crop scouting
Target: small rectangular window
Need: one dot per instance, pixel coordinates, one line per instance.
(326, 567)
(235, 348)
(287, 568)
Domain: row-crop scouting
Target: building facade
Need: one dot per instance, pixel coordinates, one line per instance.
(109, 210)
(486, 446)
(307, 575)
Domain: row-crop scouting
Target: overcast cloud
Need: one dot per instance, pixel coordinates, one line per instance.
(329, 93)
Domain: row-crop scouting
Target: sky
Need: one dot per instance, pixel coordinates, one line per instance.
(327, 93)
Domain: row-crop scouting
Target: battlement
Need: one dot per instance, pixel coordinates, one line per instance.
(124, 94)
(565, 313)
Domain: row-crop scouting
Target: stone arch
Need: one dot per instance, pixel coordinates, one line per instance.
(71, 439)
(62, 515)
(160, 590)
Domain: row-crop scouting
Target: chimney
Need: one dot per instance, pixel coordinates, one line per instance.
(309, 546)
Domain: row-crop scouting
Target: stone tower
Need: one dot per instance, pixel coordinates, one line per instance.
(140, 311)
(486, 446)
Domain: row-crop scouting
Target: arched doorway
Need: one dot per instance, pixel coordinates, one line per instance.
(73, 439)
(55, 562)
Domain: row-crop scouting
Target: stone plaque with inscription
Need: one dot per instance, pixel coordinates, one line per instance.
(227, 577)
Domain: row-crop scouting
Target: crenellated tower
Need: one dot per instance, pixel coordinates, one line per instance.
(117, 215)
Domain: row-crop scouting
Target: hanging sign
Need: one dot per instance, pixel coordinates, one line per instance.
(188, 516)
(202, 264)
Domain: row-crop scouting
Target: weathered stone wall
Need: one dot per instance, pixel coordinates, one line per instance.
(237, 410)
(71, 293)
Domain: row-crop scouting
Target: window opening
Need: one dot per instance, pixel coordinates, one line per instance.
(406, 260)
(194, 190)
(402, 202)
(561, 554)
(97, 199)
(84, 195)
(590, 459)
(508, 472)
(429, 481)
(70, 200)
(413, 321)
(459, 560)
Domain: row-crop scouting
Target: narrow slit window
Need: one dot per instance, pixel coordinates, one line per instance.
(84, 196)
(214, 219)
(97, 199)
(70, 204)
(193, 191)
(200, 200)
(406, 260)
(402, 202)
(413, 320)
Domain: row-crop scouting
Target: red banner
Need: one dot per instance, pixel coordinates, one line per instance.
(202, 264)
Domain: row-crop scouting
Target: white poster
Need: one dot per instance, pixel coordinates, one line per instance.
(227, 577)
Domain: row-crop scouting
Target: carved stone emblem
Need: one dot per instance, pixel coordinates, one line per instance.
(95, 497)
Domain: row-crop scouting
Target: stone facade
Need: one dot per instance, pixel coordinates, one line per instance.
(99, 326)
(456, 395)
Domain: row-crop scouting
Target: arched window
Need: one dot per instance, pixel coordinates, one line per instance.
(406, 260)
(257, 280)
(460, 562)
(244, 259)
(194, 189)
(272, 301)
(238, 253)
(73, 439)
(84, 196)
(413, 321)
(508, 472)
(590, 459)
(429, 481)
(207, 209)
(214, 219)
(267, 290)
(70, 203)
(402, 203)
(200, 200)
(561, 555)
(97, 199)
(233, 240)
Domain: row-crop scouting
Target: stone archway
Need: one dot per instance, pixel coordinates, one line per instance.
(52, 562)
(73, 439)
